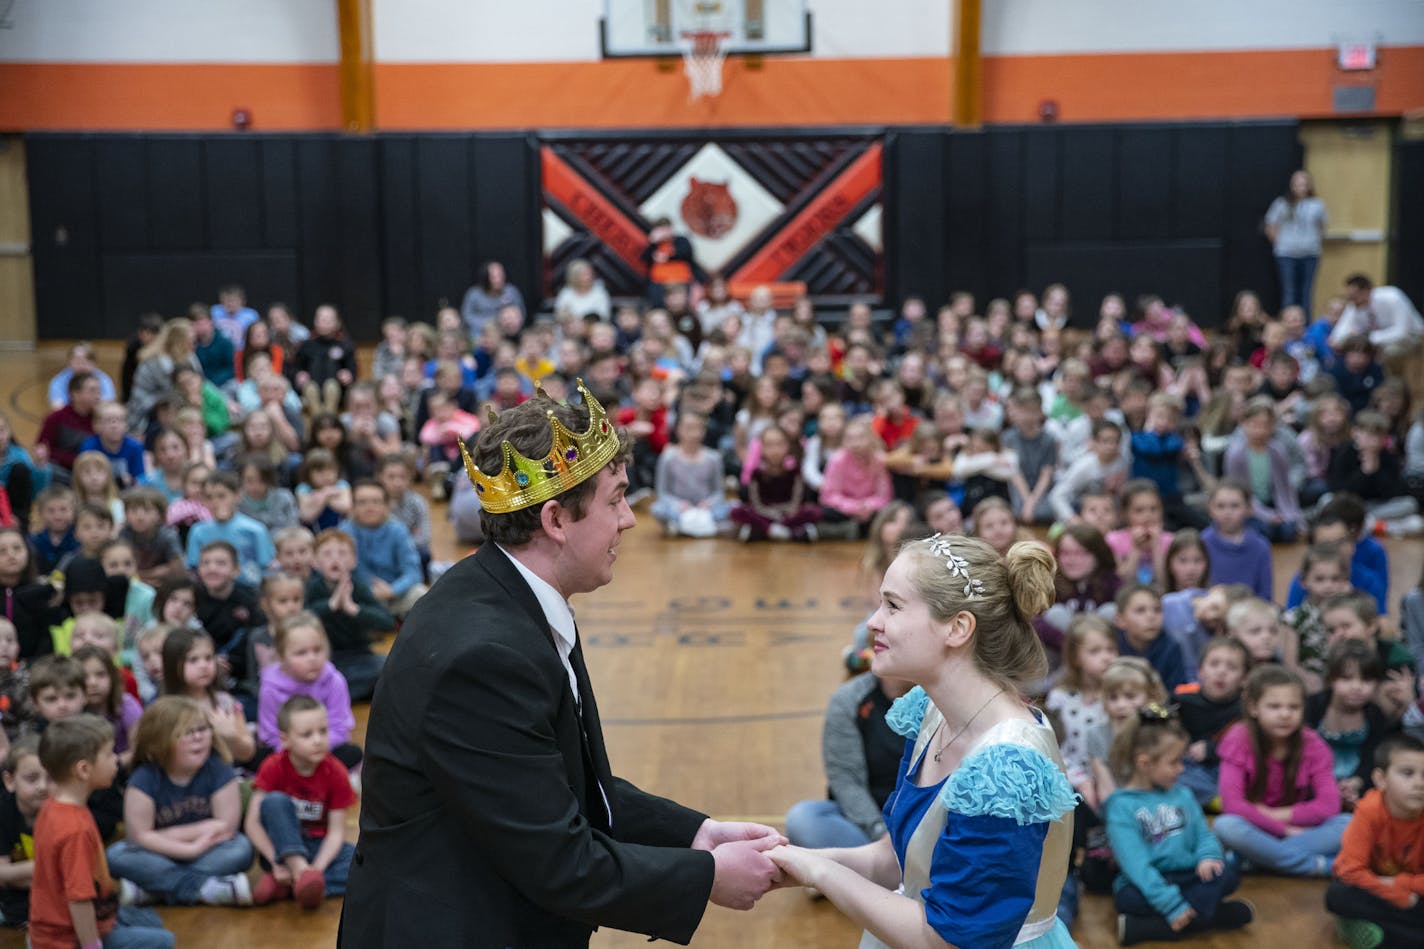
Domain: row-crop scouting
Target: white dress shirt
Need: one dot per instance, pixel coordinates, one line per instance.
(558, 613)
(1390, 318)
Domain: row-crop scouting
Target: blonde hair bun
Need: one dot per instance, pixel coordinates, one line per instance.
(1031, 571)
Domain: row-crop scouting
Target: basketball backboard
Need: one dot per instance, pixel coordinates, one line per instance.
(666, 27)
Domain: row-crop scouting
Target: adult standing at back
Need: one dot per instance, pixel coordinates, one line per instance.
(491, 817)
(1295, 223)
(483, 301)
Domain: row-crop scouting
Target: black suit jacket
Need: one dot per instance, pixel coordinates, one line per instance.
(482, 823)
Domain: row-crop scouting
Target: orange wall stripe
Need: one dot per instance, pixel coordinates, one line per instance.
(168, 97)
(608, 223)
(826, 210)
(637, 93)
(642, 93)
(1204, 85)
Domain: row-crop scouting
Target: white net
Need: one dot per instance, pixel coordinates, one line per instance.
(702, 61)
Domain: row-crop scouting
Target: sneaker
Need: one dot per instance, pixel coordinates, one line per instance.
(638, 496)
(779, 532)
(1135, 929)
(231, 890)
(310, 889)
(811, 535)
(131, 894)
(1359, 933)
(1233, 914)
(268, 890)
(745, 533)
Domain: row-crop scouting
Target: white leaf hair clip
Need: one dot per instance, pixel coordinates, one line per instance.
(957, 566)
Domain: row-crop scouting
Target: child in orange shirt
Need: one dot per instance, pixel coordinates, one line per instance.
(73, 899)
(1379, 871)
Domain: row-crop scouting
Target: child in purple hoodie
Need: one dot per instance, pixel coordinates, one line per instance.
(304, 668)
(1237, 553)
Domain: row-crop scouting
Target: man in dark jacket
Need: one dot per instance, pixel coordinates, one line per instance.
(491, 817)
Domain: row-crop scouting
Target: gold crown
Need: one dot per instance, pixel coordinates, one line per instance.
(523, 482)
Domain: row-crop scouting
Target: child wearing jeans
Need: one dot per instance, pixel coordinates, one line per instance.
(181, 812)
(73, 900)
(1379, 873)
(1173, 878)
(1278, 794)
(297, 816)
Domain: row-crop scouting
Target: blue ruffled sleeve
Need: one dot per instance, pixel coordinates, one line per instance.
(1012, 781)
(984, 873)
(906, 713)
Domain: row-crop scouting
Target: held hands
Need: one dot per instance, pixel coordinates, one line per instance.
(743, 872)
(1197, 752)
(797, 864)
(1183, 919)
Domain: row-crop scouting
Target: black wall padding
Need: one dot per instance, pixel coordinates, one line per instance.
(397, 223)
(1407, 265)
(1174, 209)
(122, 224)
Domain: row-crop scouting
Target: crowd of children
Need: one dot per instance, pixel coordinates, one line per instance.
(197, 562)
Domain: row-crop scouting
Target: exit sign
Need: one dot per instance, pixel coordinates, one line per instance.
(1355, 56)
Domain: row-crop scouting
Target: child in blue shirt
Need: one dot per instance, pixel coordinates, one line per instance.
(55, 539)
(1173, 877)
(247, 536)
(125, 453)
(1339, 523)
(386, 556)
(1158, 451)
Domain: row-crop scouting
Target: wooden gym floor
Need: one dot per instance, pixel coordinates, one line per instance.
(713, 664)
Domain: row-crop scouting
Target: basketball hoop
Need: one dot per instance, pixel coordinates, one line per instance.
(702, 61)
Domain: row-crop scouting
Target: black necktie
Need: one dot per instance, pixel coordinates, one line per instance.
(591, 732)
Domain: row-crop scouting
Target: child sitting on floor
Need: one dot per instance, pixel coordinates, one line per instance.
(1174, 878)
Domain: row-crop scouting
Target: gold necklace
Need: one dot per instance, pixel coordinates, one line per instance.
(945, 746)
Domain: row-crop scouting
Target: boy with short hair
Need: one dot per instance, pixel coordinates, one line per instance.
(226, 606)
(93, 528)
(1371, 469)
(295, 551)
(55, 539)
(111, 439)
(74, 899)
(65, 429)
(296, 819)
(348, 610)
(395, 473)
(246, 536)
(157, 550)
(1101, 466)
(56, 690)
(1379, 871)
(387, 559)
(1340, 522)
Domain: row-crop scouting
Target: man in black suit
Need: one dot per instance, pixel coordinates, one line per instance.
(490, 814)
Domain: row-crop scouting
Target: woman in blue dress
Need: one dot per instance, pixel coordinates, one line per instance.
(980, 824)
